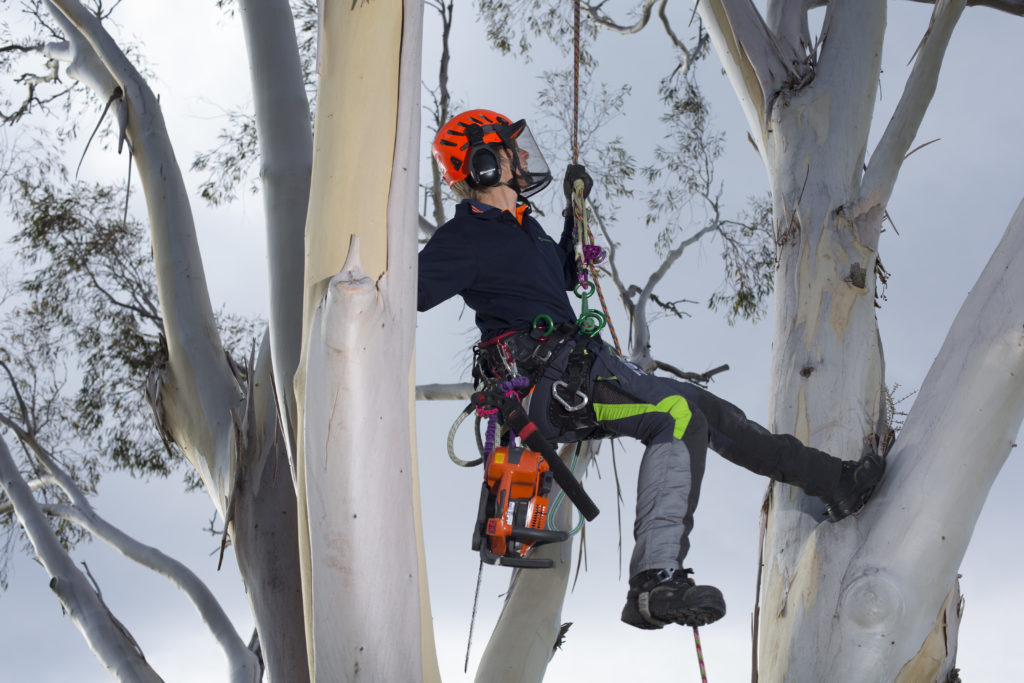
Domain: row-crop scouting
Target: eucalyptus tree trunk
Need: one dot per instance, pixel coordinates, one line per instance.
(874, 597)
(364, 582)
(224, 420)
(524, 638)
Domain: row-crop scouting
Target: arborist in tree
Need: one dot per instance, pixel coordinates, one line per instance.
(505, 267)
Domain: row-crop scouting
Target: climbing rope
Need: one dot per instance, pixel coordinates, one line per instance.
(700, 656)
(588, 255)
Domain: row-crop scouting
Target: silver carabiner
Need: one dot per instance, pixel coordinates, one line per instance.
(565, 404)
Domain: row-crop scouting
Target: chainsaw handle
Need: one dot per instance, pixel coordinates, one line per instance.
(516, 417)
(538, 536)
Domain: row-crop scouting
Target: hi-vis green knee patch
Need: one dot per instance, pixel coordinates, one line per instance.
(676, 406)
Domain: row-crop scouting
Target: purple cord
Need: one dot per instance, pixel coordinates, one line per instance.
(506, 388)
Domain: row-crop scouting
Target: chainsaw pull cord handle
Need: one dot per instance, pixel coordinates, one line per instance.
(517, 419)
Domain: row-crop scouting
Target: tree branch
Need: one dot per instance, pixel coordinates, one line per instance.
(242, 662)
(943, 453)
(887, 159)
(83, 606)
(701, 378)
(197, 410)
(751, 56)
(33, 485)
(286, 148)
(1008, 6)
(444, 392)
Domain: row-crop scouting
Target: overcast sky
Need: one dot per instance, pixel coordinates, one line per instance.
(950, 207)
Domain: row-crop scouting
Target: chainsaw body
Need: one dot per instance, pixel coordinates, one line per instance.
(514, 508)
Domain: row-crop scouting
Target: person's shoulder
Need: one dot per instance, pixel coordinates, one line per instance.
(466, 219)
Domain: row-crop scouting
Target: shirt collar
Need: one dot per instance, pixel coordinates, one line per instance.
(476, 207)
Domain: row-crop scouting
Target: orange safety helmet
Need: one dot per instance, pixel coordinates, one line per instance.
(465, 150)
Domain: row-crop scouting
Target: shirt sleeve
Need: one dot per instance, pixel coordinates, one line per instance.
(447, 266)
(567, 245)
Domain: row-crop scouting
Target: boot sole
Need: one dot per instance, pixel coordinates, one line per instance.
(704, 609)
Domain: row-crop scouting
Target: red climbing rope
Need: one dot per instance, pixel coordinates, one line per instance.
(575, 81)
(587, 254)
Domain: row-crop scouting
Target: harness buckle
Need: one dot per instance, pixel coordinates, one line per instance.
(583, 399)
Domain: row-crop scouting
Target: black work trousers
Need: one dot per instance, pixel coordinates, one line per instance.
(677, 422)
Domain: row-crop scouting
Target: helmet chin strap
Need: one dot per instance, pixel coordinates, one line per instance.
(516, 169)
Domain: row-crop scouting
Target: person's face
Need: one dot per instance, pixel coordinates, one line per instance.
(505, 157)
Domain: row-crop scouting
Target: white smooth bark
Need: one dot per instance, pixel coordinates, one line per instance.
(286, 150)
(956, 438)
(242, 663)
(899, 135)
(751, 58)
(198, 392)
(367, 609)
(243, 666)
(112, 646)
(874, 597)
(230, 438)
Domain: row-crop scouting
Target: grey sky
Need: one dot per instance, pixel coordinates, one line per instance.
(950, 206)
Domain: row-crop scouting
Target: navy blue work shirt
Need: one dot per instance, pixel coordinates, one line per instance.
(507, 272)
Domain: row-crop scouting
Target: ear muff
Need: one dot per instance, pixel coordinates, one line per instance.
(484, 167)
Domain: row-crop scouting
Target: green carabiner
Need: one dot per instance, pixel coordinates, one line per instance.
(544, 317)
(584, 290)
(591, 322)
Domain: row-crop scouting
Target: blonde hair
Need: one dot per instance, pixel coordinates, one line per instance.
(462, 190)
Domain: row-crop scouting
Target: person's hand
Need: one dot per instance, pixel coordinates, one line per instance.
(574, 172)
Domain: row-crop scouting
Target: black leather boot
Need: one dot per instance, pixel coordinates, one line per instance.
(857, 482)
(664, 596)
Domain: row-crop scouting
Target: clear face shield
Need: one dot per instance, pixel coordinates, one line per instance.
(528, 165)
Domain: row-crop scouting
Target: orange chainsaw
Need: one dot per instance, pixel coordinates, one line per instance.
(514, 499)
(514, 508)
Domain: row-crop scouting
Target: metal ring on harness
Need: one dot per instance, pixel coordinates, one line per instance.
(544, 317)
(565, 404)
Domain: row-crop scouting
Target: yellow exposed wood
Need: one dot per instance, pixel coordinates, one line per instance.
(927, 664)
